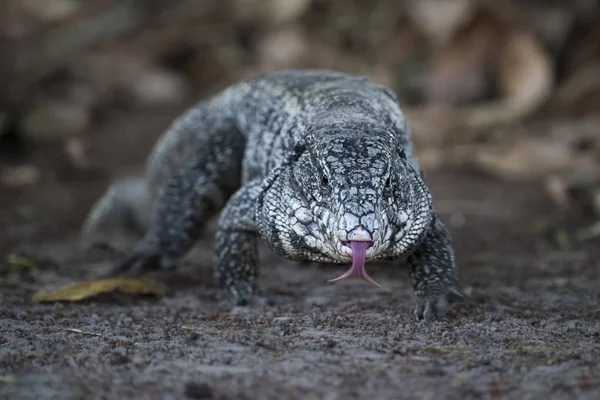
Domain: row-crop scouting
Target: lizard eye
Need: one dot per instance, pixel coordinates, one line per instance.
(324, 181)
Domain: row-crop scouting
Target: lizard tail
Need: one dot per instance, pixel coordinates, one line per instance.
(125, 205)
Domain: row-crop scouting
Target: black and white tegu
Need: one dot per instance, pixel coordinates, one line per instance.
(319, 164)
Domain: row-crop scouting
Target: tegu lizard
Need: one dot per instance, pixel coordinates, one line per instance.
(319, 164)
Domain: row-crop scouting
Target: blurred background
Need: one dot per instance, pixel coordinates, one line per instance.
(510, 89)
(503, 99)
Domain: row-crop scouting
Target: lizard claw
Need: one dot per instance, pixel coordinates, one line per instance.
(435, 306)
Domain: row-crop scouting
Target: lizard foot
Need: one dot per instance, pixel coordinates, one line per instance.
(435, 306)
(243, 294)
(141, 260)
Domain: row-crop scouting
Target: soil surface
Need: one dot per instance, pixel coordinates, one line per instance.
(530, 330)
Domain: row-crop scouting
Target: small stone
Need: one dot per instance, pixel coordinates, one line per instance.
(195, 390)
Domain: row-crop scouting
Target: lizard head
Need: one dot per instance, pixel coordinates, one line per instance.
(365, 198)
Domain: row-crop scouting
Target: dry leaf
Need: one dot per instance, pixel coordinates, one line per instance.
(525, 78)
(489, 47)
(81, 290)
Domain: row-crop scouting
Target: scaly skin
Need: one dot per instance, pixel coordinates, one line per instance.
(313, 162)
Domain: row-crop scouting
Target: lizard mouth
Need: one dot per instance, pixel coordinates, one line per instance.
(359, 255)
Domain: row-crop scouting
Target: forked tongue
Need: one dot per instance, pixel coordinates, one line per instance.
(357, 270)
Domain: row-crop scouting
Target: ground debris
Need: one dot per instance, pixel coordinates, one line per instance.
(74, 330)
(82, 290)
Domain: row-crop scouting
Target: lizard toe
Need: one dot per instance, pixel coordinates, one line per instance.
(431, 308)
(435, 306)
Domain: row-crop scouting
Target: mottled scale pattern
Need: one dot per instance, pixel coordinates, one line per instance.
(305, 160)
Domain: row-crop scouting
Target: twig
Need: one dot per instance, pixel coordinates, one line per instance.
(74, 330)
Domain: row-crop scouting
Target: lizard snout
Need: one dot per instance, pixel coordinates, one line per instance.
(353, 229)
(359, 234)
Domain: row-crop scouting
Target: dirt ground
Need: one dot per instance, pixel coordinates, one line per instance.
(531, 329)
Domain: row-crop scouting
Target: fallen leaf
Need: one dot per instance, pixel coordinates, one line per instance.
(81, 290)
(489, 51)
(526, 81)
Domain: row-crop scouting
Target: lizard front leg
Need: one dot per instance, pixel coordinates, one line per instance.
(433, 273)
(188, 198)
(236, 252)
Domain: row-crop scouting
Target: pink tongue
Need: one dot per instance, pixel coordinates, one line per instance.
(357, 270)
